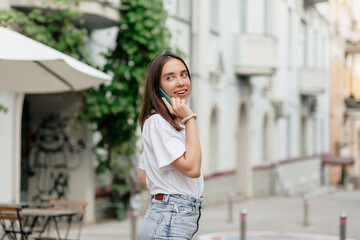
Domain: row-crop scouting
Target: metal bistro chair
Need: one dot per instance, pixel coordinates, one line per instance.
(12, 223)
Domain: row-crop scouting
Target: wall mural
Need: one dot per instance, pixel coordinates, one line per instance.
(53, 157)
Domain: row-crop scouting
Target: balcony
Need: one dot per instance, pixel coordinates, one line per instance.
(308, 3)
(96, 13)
(351, 103)
(312, 81)
(352, 48)
(255, 55)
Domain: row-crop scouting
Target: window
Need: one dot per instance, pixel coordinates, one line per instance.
(316, 49)
(289, 37)
(323, 148)
(265, 140)
(314, 135)
(266, 16)
(303, 135)
(302, 44)
(323, 52)
(243, 15)
(288, 136)
(183, 9)
(214, 18)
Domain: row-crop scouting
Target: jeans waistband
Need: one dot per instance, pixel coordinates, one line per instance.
(178, 198)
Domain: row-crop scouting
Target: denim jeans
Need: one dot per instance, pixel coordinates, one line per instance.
(174, 217)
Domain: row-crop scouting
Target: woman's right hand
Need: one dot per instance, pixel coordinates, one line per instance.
(178, 108)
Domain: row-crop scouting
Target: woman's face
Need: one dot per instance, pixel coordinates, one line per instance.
(175, 80)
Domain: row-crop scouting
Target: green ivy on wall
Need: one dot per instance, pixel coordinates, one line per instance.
(53, 28)
(3, 109)
(114, 108)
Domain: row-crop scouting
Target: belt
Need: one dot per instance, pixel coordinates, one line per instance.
(160, 196)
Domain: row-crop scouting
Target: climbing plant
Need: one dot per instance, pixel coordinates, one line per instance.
(113, 108)
(3, 108)
(53, 28)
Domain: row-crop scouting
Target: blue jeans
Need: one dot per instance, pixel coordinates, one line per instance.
(174, 217)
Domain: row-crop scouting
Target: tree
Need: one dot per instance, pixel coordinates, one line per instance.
(113, 109)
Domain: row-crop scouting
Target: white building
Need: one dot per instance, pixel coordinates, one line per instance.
(260, 76)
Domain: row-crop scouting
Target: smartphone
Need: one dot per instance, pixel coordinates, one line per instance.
(164, 95)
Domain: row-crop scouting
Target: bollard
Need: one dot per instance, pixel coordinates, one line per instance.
(343, 226)
(243, 224)
(306, 210)
(133, 224)
(230, 200)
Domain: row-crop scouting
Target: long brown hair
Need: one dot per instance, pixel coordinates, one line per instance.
(152, 102)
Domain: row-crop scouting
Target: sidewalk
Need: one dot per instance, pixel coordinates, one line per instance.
(268, 218)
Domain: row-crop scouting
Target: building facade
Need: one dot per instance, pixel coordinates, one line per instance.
(261, 88)
(345, 68)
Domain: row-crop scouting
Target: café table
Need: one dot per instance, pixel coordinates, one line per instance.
(51, 217)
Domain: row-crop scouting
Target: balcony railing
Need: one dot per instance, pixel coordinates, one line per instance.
(352, 103)
(352, 48)
(96, 13)
(255, 54)
(308, 3)
(312, 81)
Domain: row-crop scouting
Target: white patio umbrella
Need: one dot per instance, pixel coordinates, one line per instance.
(28, 66)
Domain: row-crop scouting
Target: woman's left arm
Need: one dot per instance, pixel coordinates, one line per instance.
(142, 177)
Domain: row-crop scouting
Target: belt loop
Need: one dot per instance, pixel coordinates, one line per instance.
(166, 197)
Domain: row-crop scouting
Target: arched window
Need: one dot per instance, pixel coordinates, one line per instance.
(214, 143)
(265, 140)
(243, 166)
(303, 135)
(315, 126)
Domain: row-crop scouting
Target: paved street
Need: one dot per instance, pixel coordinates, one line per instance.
(268, 218)
(268, 236)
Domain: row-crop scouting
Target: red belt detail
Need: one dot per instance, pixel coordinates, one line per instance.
(159, 196)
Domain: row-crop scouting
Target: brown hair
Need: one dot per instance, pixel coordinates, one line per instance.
(152, 102)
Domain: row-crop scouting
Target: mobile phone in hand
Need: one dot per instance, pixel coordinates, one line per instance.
(164, 95)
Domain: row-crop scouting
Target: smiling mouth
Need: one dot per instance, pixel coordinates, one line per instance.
(181, 92)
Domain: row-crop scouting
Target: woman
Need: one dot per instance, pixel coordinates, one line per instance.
(170, 165)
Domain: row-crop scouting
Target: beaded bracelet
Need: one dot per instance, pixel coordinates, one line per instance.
(188, 118)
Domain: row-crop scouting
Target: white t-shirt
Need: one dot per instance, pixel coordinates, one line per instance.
(162, 145)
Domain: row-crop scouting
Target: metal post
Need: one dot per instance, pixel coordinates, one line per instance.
(230, 199)
(306, 210)
(343, 226)
(243, 224)
(133, 224)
